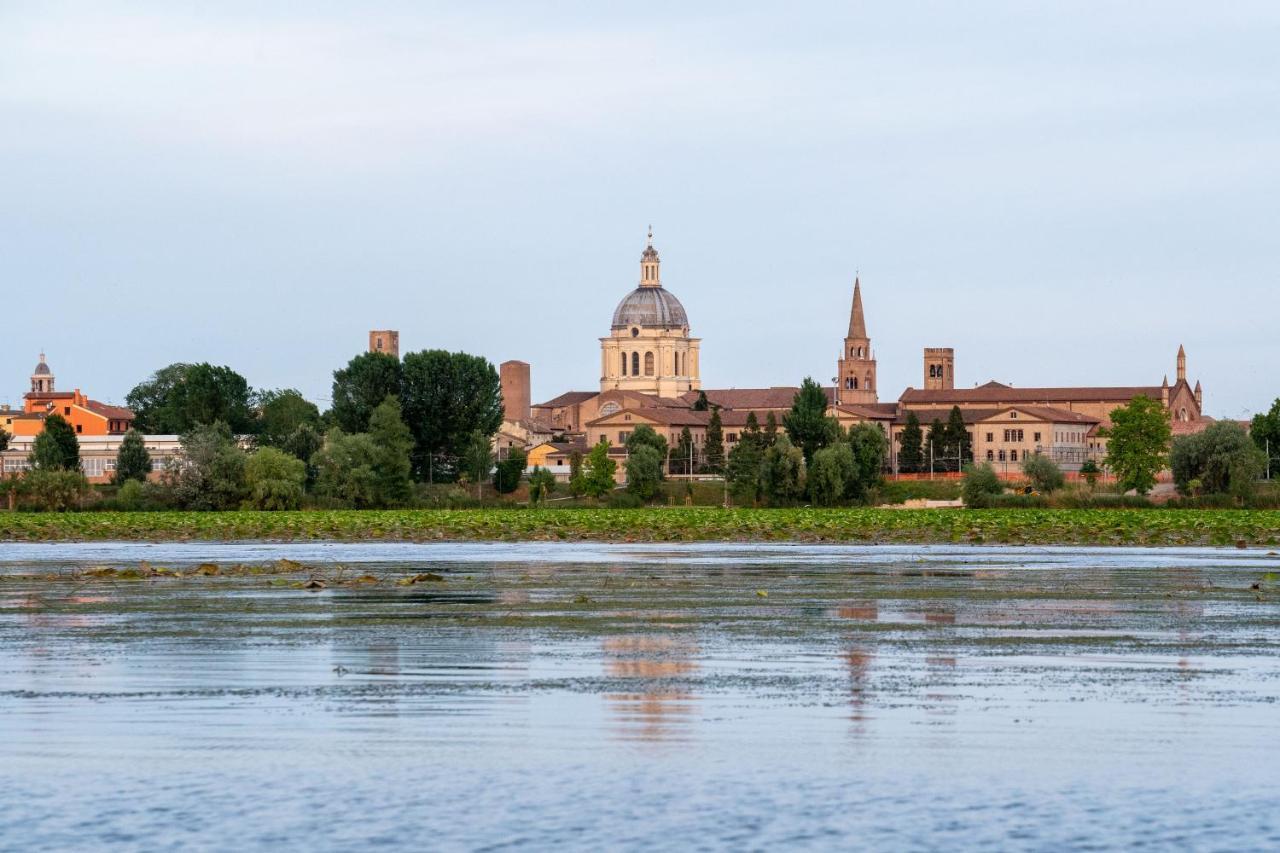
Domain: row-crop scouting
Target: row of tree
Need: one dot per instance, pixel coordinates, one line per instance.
(445, 399)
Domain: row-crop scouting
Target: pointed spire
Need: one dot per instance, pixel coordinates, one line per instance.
(1182, 364)
(1165, 383)
(857, 323)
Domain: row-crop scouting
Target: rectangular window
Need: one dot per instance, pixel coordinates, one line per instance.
(623, 436)
(1013, 456)
(79, 427)
(66, 410)
(731, 437)
(1037, 438)
(991, 436)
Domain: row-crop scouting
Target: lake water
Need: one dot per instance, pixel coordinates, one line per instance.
(640, 697)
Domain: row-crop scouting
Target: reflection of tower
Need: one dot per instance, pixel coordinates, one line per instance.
(856, 370)
(939, 368)
(659, 710)
(858, 662)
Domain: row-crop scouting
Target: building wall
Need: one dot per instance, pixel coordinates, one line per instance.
(385, 340)
(667, 362)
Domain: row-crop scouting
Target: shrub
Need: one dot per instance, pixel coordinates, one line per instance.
(1090, 471)
(644, 471)
(542, 484)
(508, 472)
(274, 479)
(625, 500)
(131, 496)
(979, 485)
(1044, 473)
(53, 490)
(900, 491)
(1222, 458)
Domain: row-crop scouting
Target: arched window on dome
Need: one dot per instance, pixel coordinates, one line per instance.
(635, 364)
(648, 364)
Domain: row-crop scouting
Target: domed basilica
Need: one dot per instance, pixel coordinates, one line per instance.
(648, 348)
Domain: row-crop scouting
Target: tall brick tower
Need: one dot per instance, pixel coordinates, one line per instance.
(385, 340)
(514, 376)
(856, 370)
(939, 368)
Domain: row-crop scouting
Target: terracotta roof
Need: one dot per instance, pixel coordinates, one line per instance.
(48, 395)
(972, 416)
(663, 415)
(997, 392)
(569, 398)
(748, 398)
(1194, 427)
(109, 411)
(878, 411)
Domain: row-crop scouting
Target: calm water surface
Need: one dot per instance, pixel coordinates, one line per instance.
(641, 697)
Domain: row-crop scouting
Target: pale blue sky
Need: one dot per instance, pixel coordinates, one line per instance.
(1063, 193)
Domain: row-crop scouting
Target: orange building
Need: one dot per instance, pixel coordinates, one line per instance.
(86, 416)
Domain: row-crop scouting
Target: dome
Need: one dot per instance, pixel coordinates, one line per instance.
(42, 369)
(650, 306)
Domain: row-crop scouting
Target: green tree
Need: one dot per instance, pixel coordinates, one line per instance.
(980, 484)
(392, 468)
(1137, 443)
(701, 404)
(959, 446)
(935, 446)
(211, 474)
(831, 472)
(644, 471)
(743, 470)
(1265, 432)
(133, 462)
(770, 434)
(4, 441)
(477, 457)
(56, 448)
(1044, 473)
(869, 447)
(577, 479)
(713, 444)
(645, 436)
(807, 423)
(683, 458)
(347, 469)
(180, 397)
(783, 473)
(281, 414)
(274, 480)
(542, 484)
(1090, 471)
(508, 472)
(303, 443)
(447, 399)
(911, 456)
(1222, 458)
(598, 471)
(361, 386)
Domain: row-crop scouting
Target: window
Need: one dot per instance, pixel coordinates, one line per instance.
(991, 436)
(79, 427)
(623, 436)
(624, 364)
(635, 364)
(1013, 456)
(1001, 455)
(648, 363)
(379, 344)
(66, 410)
(867, 384)
(732, 438)
(1037, 438)
(560, 462)
(854, 380)
(991, 455)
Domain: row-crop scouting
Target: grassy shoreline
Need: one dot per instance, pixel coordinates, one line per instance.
(1254, 528)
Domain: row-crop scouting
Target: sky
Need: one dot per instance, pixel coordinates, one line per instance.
(1064, 193)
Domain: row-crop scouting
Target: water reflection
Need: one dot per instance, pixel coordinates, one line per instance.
(663, 706)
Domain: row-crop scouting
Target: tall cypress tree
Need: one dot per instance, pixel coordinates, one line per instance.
(683, 458)
(770, 430)
(935, 447)
(56, 448)
(959, 445)
(133, 462)
(911, 456)
(713, 447)
(807, 422)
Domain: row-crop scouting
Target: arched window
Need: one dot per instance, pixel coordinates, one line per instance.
(648, 364)
(868, 384)
(1183, 414)
(624, 364)
(855, 383)
(635, 364)
(990, 455)
(859, 352)
(1013, 456)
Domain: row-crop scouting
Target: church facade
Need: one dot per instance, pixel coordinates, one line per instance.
(650, 374)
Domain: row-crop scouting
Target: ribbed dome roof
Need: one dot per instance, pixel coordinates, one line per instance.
(42, 369)
(650, 306)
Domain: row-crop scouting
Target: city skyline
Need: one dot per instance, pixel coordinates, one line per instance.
(1058, 200)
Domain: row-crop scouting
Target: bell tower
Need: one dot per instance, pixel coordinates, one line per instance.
(856, 370)
(42, 378)
(939, 368)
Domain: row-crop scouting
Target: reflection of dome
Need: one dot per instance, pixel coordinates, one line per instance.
(650, 306)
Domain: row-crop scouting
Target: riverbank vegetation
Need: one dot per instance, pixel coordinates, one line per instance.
(1237, 527)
